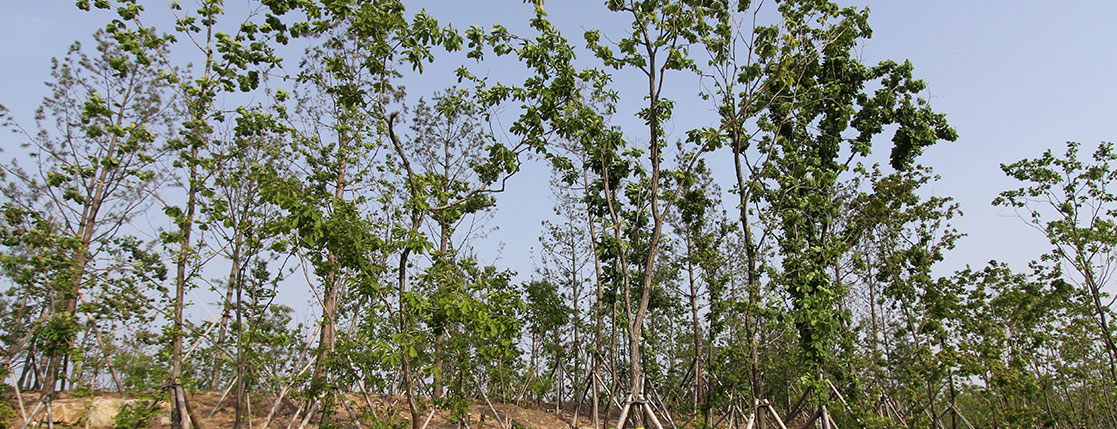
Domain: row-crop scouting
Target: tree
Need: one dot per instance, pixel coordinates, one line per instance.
(564, 255)
(703, 234)
(95, 171)
(1072, 202)
(228, 63)
(1006, 329)
(824, 290)
(238, 215)
(661, 33)
(899, 238)
(334, 150)
(818, 93)
(547, 313)
(448, 141)
(365, 42)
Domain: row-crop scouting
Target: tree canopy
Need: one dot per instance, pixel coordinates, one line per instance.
(183, 181)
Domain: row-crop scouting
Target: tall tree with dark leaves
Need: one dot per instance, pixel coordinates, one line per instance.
(820, 120)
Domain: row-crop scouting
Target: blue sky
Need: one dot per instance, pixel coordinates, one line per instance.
(1014, 78)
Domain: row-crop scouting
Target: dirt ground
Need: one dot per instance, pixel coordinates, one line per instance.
(98, 411)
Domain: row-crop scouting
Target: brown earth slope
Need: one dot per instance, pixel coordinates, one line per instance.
(100, 410)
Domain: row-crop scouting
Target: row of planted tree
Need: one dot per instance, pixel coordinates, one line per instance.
(168, 164)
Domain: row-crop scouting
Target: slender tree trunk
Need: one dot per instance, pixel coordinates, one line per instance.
(180, 417)
(954, 403)
(636, 330)
(440, 340)
(405, 359)
(744, 192)
(575, 319)
(874, 324)
(241, 363)
(88, 224)
(331, 291)
(181, 414)
(417, 218)
(226, 313)
(534, 367)
(1102, 310)
(697, 328)
(614, 361)
(636, 319)
(599, 313)
(558, 371)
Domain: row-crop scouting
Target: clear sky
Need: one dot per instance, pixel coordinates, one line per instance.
(1013, 77)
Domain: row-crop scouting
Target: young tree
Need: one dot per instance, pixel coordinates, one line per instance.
(1006, 327)
(703, 234)
(367, 42)
(238, 214)
(564, 256)
(98, 141)
(1072, 202)
(661, 34)
(449, 140)
(334, 149)
(899, 236)
(547, 314)
(228, 63)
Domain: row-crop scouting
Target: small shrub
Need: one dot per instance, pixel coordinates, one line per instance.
(136, 415)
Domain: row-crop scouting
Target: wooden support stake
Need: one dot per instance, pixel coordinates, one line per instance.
(612, 397)
(283, 393)
(223, 396)
(34, 412)
(248, 405)
(810, 421)
(298, 412)
(723, 417)
(651, 416)
(309, 413)
(830, 420)
(364, 391)
(666, 414)
(798, 407)
(779, 421)
(959, 414)
(491, 408)
(428, 420)
(624, 414)
(19, 399)
(348, 409)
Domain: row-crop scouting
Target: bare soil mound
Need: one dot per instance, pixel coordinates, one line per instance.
(101, 410)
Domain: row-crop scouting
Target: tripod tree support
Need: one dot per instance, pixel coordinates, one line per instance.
(637, 404)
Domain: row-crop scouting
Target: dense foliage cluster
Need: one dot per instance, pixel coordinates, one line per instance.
(169, 168)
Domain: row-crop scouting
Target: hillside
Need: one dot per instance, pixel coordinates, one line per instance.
(101, 409)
